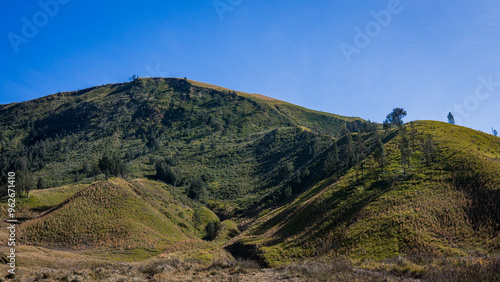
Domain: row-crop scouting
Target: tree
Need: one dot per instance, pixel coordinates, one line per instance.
(288, 191)
(21, 164)
(197, 190)
(380, 154)
(164, 172)
(133, 77)
(112, 165)
(106, 165)
(306, 172)
(349, 152)
(360, 156)
(120, 167)
(405, 151)
(494, 131)
(344, 131)
(451, 119)
(285, 170)
(40, 184)
(386, 125)
(332, 162)
(95, 170)
(316, 148)
(211, 230)
(396, 117)
(297, 178)
(413, 133)
(24, 182)
(428, 149)
(85, 169)
(76, 177)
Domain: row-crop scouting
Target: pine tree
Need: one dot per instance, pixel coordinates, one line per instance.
(211, 230)
(413, 133)
(106, 165)
(288, 191)
(451, 119)
(164, 172)
(24, 182)
(336, 159)
(112, 165)
(349, 153)
(197, 190)
(95, 170)
(405, 151)
(428, 149)
(85, 169)
(40, 184)
(360, 156)
(332, 161)
(380, 153)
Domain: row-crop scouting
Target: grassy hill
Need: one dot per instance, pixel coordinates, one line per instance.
(283, 183)
(202, 130)
(104, 214)
(119, 220)
(446, 208)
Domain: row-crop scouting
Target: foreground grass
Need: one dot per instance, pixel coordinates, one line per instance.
(173, 269)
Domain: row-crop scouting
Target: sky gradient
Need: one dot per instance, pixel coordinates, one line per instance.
(346, 57)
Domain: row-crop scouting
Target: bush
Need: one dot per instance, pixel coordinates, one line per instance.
(197, 190)
(164, 172)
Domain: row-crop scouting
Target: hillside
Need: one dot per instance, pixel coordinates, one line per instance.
(117, 220)
(200, 129)
(104, 214)
(449, 207)
(202, 174)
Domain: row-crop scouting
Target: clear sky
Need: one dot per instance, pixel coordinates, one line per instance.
(354, 58)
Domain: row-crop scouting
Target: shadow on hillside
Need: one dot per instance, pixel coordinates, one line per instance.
(338, 210)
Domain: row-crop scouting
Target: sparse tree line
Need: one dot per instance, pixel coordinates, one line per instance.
(167, 172)
(352, 150)
(451, 120)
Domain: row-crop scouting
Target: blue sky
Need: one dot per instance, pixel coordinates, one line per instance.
(347, 57)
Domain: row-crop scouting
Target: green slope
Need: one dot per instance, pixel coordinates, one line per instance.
(116, 214)
(450, 207)
(209, 132)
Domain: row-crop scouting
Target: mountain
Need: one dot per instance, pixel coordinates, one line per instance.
(201, 172)
(236, 142)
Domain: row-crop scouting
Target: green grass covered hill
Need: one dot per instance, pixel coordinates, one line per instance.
(141, 218)
(449, 206)
(205, 172)
(236, 142)
(103, 214)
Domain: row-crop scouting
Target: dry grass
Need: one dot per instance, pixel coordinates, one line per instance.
(39, 264)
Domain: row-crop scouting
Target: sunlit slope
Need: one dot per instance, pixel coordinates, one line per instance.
(449, 207)
(115, 214)
(204, 130)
